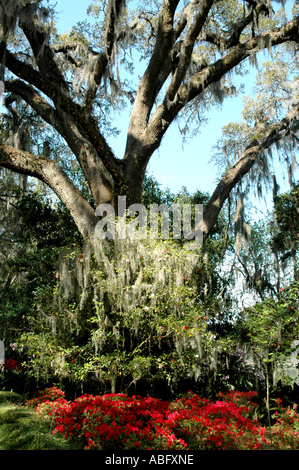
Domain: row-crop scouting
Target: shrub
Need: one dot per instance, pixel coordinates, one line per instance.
(285, 432)
(51, 394)
(12, 365)
(220, 425)
(119, 422)
(243, 399)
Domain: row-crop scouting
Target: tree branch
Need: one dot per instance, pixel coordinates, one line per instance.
(183, 20)
(59, 118)
(187, 48)
(48, 87)
(99, 67)
(38, 39)
(24, 70)
(64, 49)
(168, 110)
(50, 173)
(234, 39)
(147, 90)
(93, 168)
(265, 139)
(102, 59)
(35, 100)
(235, 55)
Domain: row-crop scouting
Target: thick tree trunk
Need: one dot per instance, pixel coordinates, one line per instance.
(131, 189)
(132, 183)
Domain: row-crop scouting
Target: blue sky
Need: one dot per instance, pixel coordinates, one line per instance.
(173, 165)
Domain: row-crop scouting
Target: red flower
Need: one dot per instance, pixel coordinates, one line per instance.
(149, 423)
(11, 364)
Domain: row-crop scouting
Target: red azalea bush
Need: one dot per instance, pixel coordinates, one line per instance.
(190, 423)
(118, 421)
(285, 432)
(51, 394)
(247, 399)
(221, 425)
(48, 402)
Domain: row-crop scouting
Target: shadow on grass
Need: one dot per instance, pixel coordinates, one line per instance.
(20, 429)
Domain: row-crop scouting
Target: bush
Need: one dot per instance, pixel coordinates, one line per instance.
(51, 394)
(285, 432)
(212, 426)
(119, 422)
(243, 399)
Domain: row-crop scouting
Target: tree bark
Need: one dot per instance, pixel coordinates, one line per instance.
(50, 173)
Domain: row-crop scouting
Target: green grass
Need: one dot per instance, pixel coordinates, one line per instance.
(21, 429)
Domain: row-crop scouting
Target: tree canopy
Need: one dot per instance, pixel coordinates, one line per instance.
(69, 84)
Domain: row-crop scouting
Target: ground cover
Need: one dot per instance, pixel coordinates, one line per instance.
(21, 429)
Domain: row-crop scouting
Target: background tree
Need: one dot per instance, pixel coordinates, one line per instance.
(269, 329)
(258, 266)
(70, 81)
(286, 228)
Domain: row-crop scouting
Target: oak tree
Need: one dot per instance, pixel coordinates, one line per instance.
(191, 50)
